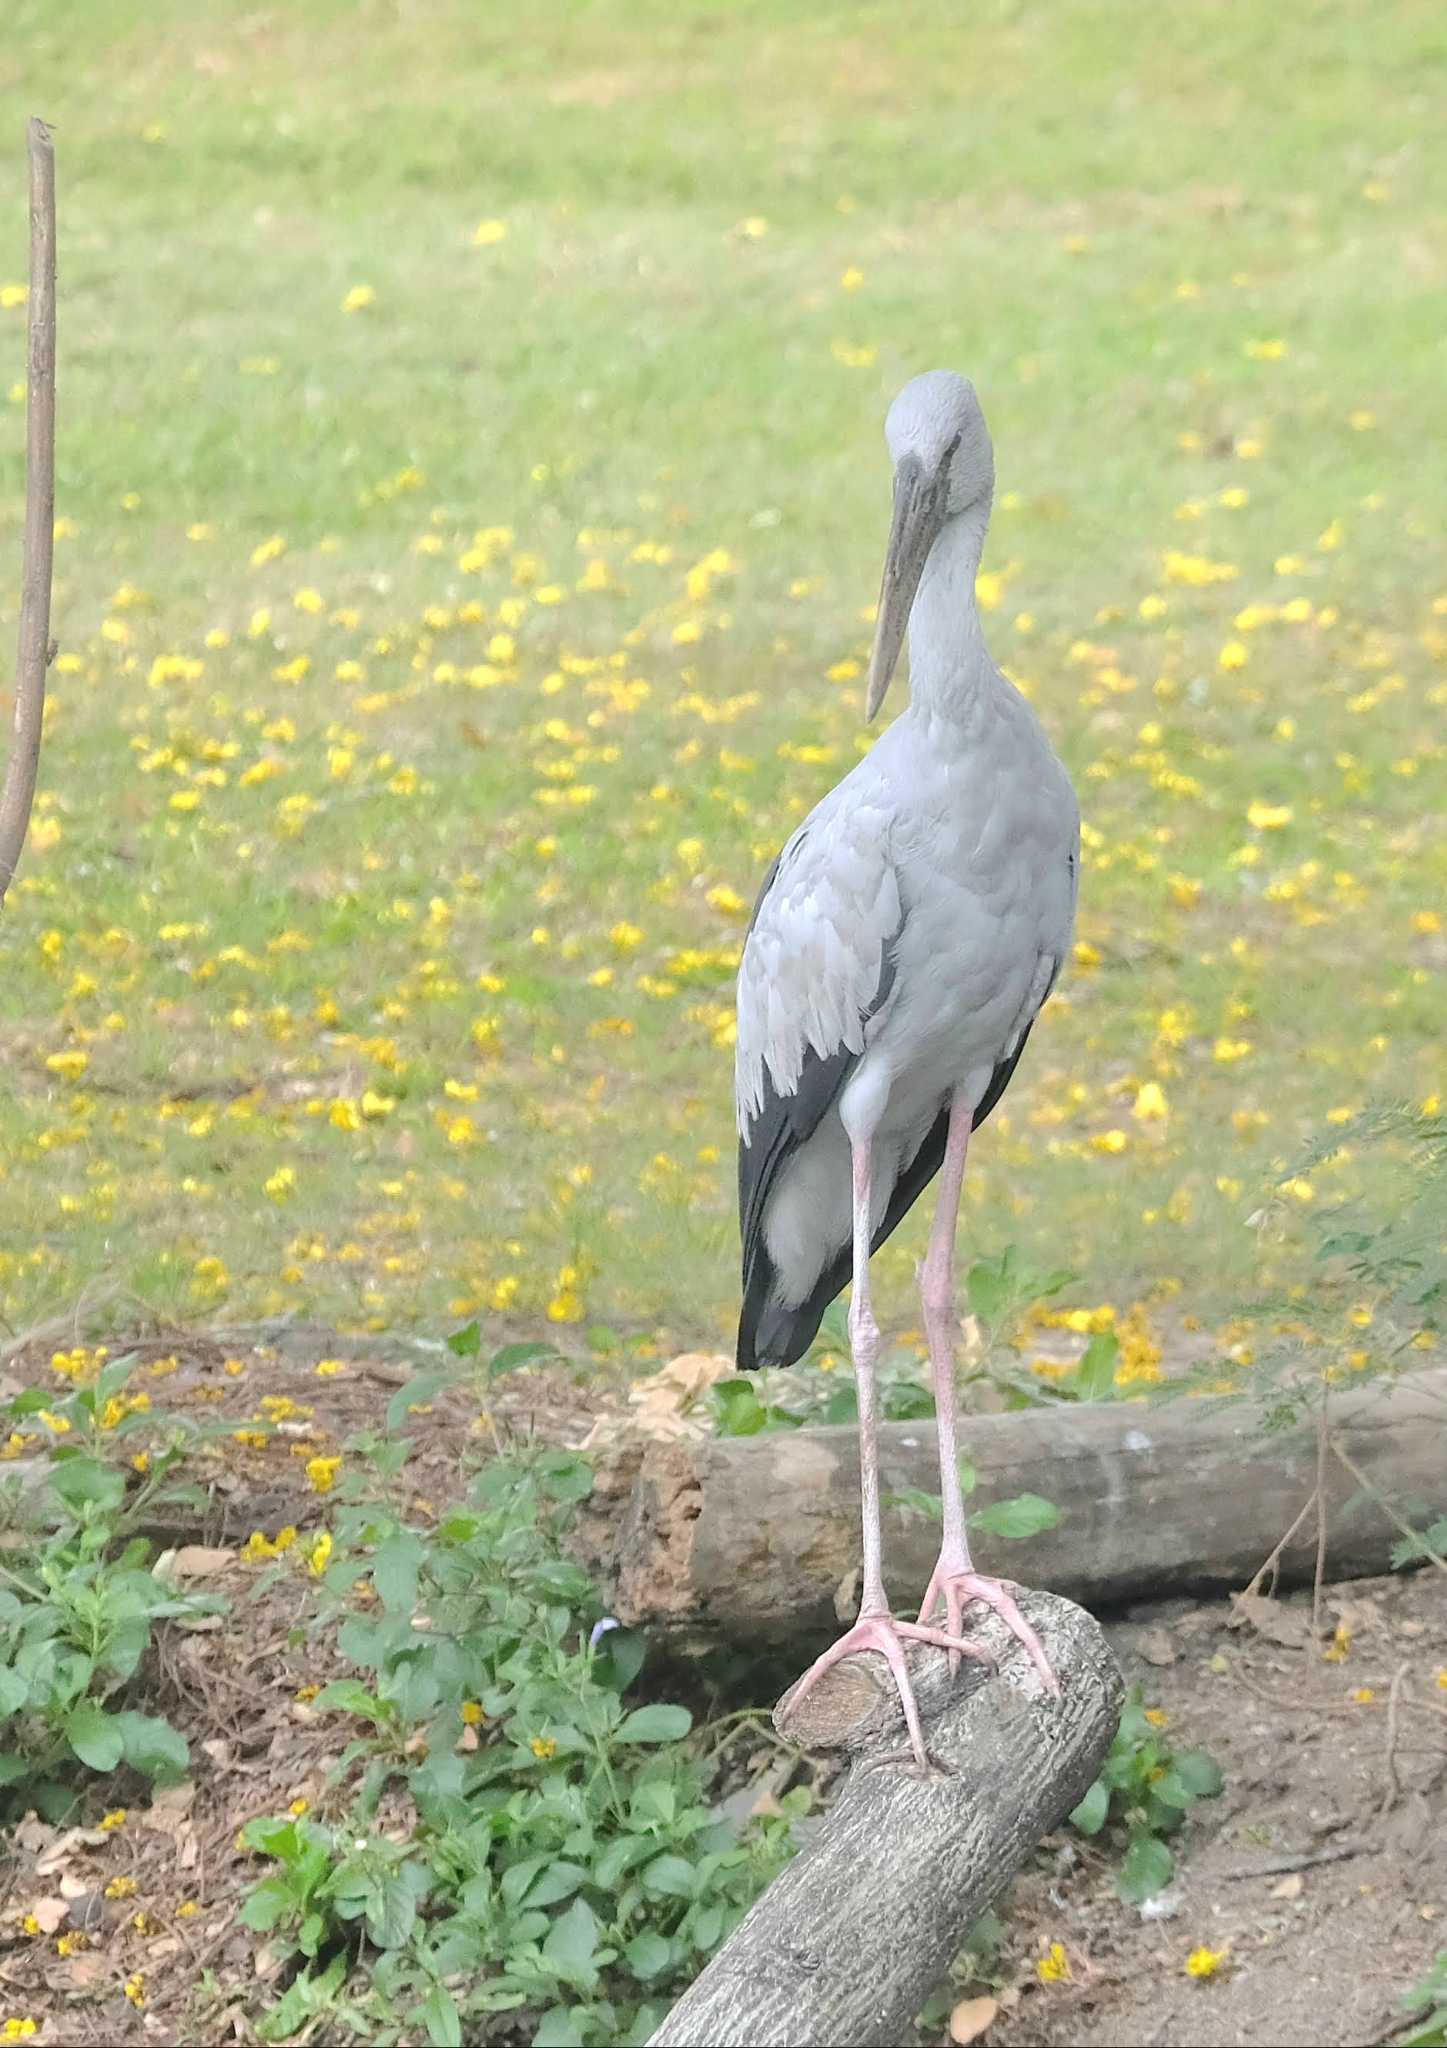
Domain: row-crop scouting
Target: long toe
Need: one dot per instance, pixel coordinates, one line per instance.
(960, 1588)
(885, 1637)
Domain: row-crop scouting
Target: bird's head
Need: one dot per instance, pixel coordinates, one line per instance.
(943, 464)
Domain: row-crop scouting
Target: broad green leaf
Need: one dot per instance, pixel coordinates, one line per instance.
(842, 1405)
(565, 1475)
(440, 2016)
(466, 1342)
(1146, 1869)
(96, 1736)
(572, 1939)
(513, 1357)
(264, 1906)
(14, 1768)
(555, 1882)
(708, 1925)
(417, 1393)
(987, 1289)
(273, 1837)
(1094, 1377)
(558, 2028)
(1199, 1773)
(349, 1696)
(153, 1747)
(82, 1481)
(395, 1568)
(739, 1410)
(618, 1858)
(516, 1880)
(619, 1658)
(391, 1910)
(14, 1691)
(1090, 1815)
(1026, 1515)
(647, 1955)
(669, 1876)
(655, 1724)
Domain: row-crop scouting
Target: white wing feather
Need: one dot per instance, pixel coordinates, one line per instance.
(812, 964)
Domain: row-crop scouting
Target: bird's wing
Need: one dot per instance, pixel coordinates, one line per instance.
(817, 964)
(817, 970)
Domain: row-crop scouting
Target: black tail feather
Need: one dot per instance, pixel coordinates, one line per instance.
(772, 1334)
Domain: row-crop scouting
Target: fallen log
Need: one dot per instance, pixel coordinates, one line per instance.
(755, 1540)
(848, 1943)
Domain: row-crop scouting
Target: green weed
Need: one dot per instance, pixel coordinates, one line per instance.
(1145, 1790)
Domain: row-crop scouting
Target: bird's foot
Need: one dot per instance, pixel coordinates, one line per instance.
(886, 1637)
(957, 1585)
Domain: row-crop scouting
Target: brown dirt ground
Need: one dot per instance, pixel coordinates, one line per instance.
(1321, 1871)
(1320, 1875)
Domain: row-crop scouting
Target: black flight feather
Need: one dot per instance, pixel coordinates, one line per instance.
(770, 1334)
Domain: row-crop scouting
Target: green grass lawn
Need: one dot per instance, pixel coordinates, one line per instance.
(439, 675)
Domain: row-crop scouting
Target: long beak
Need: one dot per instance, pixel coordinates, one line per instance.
(918, 517)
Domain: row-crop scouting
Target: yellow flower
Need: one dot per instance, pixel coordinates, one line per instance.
(136, 1990)
(1268, 817)
(298, 1807)
(1204, 1962)
(121, 1888)
(322, 1472)
(116, 1818)
(543, 1747)
(16, 2029)
(317, 1560)
(1341, 1642)
(472, 1713)
(71, 1065)
(359, 298)
(1150, 1103)
(488, 232)
(1054, 1968)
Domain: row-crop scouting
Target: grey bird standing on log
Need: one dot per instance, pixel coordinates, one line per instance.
(902, 946)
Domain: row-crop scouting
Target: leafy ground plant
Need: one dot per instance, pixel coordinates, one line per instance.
(79, 1595)
(1144, 1792)
(1427, 2002)
(511, 1842)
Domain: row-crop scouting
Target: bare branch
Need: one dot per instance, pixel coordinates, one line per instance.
(34, 652)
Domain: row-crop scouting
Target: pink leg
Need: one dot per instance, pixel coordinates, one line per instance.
(876, 1629)
(954, 1579)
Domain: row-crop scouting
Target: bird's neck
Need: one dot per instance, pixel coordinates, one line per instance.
(948, 662)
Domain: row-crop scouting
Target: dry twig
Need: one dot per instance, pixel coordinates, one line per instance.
(35, 650)
(1272, 1562)
(1387, 1509)
(1389, 1762)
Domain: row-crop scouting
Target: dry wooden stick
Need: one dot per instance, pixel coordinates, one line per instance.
(1389, 1763)
(1387, 1509)
(1272, 1563)
(35, 650)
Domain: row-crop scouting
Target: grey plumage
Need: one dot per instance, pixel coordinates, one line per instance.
(910, 931)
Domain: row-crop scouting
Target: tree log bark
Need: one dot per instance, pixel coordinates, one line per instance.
(847, 1944)
(755, 1540)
